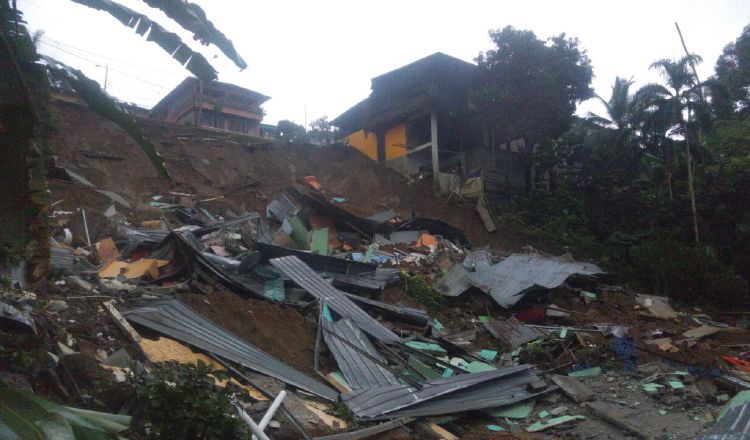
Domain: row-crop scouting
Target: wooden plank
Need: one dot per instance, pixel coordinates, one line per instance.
(369, 431)
(336, 383)
(573, 388)
(485, 215)
(121, 322)
(443, 433)
(615, 420)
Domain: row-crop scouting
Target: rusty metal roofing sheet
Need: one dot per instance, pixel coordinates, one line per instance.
(508, 280)
(512, 331)
(176, 320)
(735, 425)
(359, 371)
(380, 401)
(337, 300)
(455, 282)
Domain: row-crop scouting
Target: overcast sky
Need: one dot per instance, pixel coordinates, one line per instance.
(316, 58)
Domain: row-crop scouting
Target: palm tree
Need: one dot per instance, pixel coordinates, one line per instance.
(667, 106)
(621, 117)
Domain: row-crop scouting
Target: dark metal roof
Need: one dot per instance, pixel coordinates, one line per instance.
(455, 282)
(508, 280)
(192, 82)
(504, 391)
(337, 300)
(735, 425)
(394, 312)
(512, 331)
(175, 319)
(377, 402)
(359, 371)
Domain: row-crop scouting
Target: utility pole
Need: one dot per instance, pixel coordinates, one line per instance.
(106, 76)
(691, 189)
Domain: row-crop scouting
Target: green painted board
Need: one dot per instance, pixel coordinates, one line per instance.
(489, 355)
(327, 313)
(300, 234)
(478, 367)
(338, 199)
(485, 318)
(495, 428)
(448, 372)
(423, 368)
(595, 371)
(274, 289)
(426, 346)
(520, 410)
(340, 377)
(652, 387)
(676, 384)
(541, 426)
(437, 325)
(543, 414)
(738, 399)
(319, 244)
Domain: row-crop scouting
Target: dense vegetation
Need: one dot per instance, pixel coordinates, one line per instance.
(620, 182)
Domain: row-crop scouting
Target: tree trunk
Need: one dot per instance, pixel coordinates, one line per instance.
(691, 190)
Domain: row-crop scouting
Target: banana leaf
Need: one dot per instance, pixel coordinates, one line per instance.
(26, 416)
(106, 106)
(169, 41)
(191, 17)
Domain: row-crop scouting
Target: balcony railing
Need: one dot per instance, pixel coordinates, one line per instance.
(230, 104)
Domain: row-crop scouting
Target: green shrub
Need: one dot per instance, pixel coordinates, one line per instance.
(667, 266)
(182, 402)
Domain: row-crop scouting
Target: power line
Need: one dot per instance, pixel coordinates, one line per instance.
(57, 43)
(99, 64)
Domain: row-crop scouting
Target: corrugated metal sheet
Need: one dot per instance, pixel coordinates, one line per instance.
(504, 391)
(281, 207)
(513, 331)
(455, 282)
(337, 300)
(478, 260)
(377, 402)
(735, 425)
(176, 320)
(406, 314)
(359, 371)
(508, 280)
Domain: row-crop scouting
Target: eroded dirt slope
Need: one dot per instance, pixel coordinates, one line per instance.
(214, 164)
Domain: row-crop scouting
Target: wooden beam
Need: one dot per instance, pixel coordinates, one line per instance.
(434, 144)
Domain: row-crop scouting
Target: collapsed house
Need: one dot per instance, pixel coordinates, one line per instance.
(419, 120)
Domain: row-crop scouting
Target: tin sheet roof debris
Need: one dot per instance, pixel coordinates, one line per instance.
(455, 282)
(500, 392)
(510, 279)
(382, 401)
(382, 217)
(175, 319)
(359, 370)
(337, 300)
(512, 331)
(281, 207)
(734, 424)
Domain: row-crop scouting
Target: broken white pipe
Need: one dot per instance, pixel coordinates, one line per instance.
(257, 432)
(86, 227)
(271, 411)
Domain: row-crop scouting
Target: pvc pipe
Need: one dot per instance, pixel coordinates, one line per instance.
(271, 410)
(257, 432)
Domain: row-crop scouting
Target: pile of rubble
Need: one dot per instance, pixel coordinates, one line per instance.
(406, 325)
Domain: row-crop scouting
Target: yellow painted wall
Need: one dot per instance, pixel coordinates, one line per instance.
(395, 142)
(365, 142)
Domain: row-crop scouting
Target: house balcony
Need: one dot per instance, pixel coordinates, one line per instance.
(230, 107)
